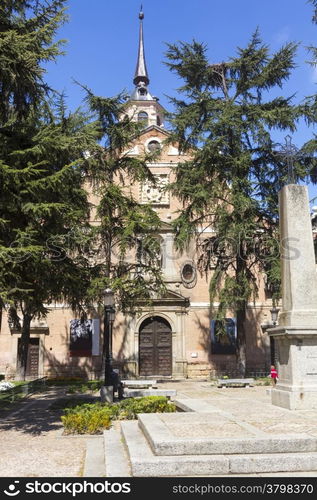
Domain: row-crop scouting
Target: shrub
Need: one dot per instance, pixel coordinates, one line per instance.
(89, 386)
(129, 408)
(93, 418)
(85, 420)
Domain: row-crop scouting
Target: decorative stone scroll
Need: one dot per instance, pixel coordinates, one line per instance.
(154, 193)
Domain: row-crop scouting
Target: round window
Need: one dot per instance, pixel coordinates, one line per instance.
(188, 274)
(154, 146)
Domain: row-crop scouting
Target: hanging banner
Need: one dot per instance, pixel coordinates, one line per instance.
(81, 337)
(223, 337)
(95, 337)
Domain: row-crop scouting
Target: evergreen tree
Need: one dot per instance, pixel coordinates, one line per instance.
(42, 200)
(50, 250)
(225, 118)
(126, 247)
(44, 211)
(310, 107)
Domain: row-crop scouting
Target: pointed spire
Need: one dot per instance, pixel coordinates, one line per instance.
(141, 74)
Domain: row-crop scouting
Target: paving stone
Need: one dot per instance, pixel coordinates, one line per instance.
(278, 462)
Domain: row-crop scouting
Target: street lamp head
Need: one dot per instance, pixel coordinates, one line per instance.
(108, 297)
(274, 314)
(112, 314)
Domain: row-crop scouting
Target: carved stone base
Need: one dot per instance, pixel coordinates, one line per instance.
(296, 388)
(292, 399)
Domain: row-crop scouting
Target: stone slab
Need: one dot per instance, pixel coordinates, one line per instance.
(162, 433)
(245, 382)
(115, 457)
(106, 394)
(279, 462)
(304, 399)
(137, 393)
(197, 405)
(145, 464)
(139, 383)
(94, 460)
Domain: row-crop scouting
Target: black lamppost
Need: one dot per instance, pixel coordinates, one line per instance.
(109, 312)
(274, 314)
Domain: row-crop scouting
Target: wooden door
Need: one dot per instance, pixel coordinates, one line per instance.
(155, 347)
(32, 367)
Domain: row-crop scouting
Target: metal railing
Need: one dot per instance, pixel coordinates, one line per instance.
(21, 391)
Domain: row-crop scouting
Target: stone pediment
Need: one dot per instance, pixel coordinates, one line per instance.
(171, 298)
(175, 296)
(157, 129)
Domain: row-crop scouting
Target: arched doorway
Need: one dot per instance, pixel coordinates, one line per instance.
(155, 347)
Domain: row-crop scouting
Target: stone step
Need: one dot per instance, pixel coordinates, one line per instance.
(136, 393)
(166, 434)
(144, 463)
(136, 384)
(116, 460)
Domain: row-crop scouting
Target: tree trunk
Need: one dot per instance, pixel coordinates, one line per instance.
(241, 312)
(23, 347)
(241, 343)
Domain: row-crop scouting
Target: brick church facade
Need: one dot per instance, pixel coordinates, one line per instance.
(174, 337)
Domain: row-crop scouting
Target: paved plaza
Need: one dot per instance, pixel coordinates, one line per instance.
(33, 445)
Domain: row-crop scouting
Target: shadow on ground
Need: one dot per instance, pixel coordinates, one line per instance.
(39, 415)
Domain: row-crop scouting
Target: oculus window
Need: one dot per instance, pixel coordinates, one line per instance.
(189, 275)
(154, 146)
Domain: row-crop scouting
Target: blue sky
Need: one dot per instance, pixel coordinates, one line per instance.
(103, 36)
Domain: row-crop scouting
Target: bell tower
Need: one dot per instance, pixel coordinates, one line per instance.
(142, 106)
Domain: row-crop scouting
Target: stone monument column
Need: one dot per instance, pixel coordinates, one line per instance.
(296, 334)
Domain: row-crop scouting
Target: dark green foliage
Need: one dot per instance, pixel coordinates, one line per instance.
(126, 246)
(51, 248)
(225, 118)
(310, 106)
(43, 206)
(27, 31)
(130, 407)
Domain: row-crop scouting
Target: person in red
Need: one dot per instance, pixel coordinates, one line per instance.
(273, 374)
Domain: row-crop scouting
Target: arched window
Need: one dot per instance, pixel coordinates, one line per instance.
(143, 118)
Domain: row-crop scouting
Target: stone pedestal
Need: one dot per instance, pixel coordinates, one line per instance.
(106, 394)
(296, 336)
(297, 368)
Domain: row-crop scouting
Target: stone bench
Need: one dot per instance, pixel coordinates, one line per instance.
(234, 382)
(139, 393)
(137, 384)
